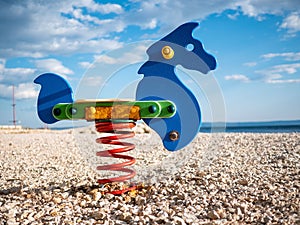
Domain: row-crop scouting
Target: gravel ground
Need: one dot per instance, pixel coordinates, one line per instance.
(226, 178)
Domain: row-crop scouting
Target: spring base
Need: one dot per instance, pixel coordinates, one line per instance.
(119, 130)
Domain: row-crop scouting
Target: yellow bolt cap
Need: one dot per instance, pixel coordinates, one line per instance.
(167, 52)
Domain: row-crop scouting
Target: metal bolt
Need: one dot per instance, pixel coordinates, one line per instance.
(152, 108)
(56, 111)
(174, 135)
(171, 108)
(73, 111)
(167, 52)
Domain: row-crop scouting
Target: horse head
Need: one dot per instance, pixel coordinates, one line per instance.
(161, 82)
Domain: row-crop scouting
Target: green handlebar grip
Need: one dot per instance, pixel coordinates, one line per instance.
(147, 109)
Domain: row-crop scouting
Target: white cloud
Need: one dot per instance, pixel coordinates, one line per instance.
(135, 55)
(92, 6)
(289, 56)
(250, 64)
(22, 78)
(92, 81)
(285, 68)
(170, 13)
(233, 16)
(129, 57)
(248, 8)
(291, 22)
(37, 29)
(13, 76)
(85, 64)
(2, 64)
(152, 24)
(237, 77)
(25, 91)
(108, 8)
(105, 59)
(259, 8)
(287, 81)
(52, 65)
(78, 14)
(275, 74)
(16, 75)
(22, 91)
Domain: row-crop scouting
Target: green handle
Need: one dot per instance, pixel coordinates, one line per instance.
(148, 109)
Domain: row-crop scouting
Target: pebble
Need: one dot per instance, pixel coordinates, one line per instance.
(97, 196)
(213, 215)
(98, 215)
(243, 182)
(251, 179)
(179, 221)
(140, 200)
(56, 200)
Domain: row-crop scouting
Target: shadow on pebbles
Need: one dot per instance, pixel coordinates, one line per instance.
(227, 178)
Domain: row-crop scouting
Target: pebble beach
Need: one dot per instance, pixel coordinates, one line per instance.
(226, 178)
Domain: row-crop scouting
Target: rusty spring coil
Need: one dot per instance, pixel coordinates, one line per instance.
(119, 130)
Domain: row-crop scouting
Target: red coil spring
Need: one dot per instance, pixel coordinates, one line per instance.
(117, 129)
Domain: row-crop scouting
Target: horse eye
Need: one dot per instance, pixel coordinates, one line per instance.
(189, 47)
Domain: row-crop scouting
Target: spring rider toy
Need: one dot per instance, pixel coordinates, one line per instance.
(163, 102)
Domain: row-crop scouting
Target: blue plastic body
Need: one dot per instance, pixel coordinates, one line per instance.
(161, 83)
(54, 90)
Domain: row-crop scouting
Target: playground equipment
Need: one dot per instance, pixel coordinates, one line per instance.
(162, 101)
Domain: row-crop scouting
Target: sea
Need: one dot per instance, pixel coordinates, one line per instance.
(252, 127)
(243, 127)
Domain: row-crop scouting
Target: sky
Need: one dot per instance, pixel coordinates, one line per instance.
(256, 44)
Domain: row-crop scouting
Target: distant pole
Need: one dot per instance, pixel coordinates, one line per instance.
(14, 106)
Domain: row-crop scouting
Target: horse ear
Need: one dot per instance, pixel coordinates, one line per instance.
(182, 34)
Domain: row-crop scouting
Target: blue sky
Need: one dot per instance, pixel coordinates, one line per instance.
(256, 44)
